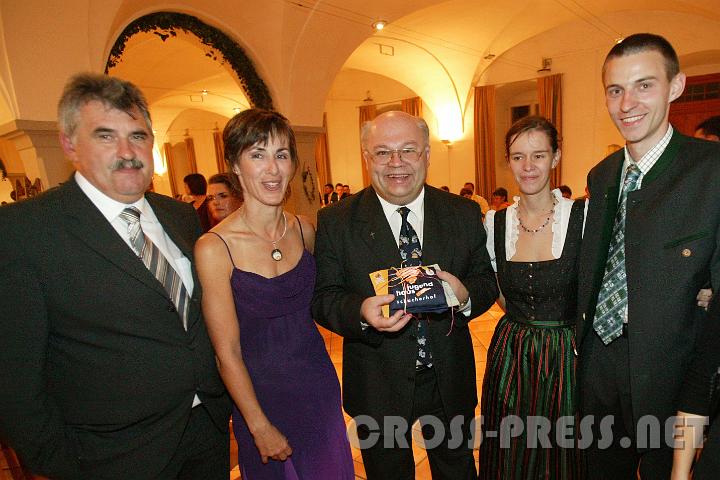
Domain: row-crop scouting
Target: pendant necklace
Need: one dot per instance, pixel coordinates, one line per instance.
(276, 254)
(541, 227)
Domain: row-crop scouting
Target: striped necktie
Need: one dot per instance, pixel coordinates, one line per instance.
(411, 254)
(612, 299)
(156, 262)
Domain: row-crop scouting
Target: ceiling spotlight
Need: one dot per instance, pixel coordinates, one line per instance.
(379, 25)
(489, 56)
(236, 109)
(204, 91)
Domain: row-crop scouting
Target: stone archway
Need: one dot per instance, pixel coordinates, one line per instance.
(220, 46)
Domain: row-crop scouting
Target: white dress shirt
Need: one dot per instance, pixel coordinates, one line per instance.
(149, 223)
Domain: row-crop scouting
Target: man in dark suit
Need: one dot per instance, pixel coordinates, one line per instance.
(106, 368)
(651, 242)
(397, 369)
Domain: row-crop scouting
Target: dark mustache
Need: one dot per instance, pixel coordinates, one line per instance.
(131, 163)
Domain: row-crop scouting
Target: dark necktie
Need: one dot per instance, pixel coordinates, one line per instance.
(411, 254)
(612, 299)
(156, 262)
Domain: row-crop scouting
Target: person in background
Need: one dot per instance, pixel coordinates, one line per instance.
(566, 191)
(401, 367)
(346, 191)
(329, 195)
(484, 206)
(223, 197)
(339, 191)
(534, 245)
(499, 199)
(709, 129)
(106, 367)
(196, 189)
(650, 243)
(466, 192)
(445, 188)
(258, 273)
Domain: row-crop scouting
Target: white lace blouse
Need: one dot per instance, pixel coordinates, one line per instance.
(561, 219)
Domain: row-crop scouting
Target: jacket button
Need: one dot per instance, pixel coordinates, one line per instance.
(686, 252)
(171, 309)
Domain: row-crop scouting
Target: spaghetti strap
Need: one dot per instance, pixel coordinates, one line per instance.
(226, 247)
(301, 232)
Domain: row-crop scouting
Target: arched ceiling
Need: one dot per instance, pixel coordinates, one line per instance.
(176, 75)
(444, 50)
(299, 46)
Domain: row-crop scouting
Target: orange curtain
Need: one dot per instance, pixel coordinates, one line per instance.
(322, 156)
(219, 151)
(367, 113)
(167, 148)
(550, 102)
(413, 106)
(190, 149)
(485, 140)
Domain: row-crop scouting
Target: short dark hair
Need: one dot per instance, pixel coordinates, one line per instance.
(565, 190)
(196, 183)
(501, 192)
(533, 122)
(643, 42)
(338, 185)
(329, 185)
(465, 191)
(256, 125)
(710, 126)
(227, 180)
(472, 185)
(111, 91)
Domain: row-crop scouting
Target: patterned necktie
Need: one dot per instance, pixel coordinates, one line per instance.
(411, 253)
(612, 299)
(156, 262)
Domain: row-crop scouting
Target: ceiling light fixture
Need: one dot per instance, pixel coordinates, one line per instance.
(379, 25)
(489, 56)
(237, 109)
(204, 91)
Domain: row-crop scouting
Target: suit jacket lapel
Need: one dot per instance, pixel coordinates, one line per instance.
(374, 230)
(88, 225)
(435, 228)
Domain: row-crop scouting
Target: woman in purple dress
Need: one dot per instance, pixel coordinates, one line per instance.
(258, 275)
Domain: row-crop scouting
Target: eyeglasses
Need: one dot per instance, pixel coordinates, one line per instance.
(408, 154)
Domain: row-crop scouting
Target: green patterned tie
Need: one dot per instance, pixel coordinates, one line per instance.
(612, 299)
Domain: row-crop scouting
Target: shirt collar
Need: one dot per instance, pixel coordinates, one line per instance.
(109, 207)
(416, 206)
(652, 156)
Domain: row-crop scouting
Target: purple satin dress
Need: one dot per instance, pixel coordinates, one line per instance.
(294, 380)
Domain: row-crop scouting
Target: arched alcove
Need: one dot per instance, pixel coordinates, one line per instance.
(218, 46)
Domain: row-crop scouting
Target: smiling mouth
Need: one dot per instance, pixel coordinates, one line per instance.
(629, 120)
(271, 185)
(398, 176)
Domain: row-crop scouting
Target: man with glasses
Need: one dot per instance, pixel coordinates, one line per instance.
(403, 367)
